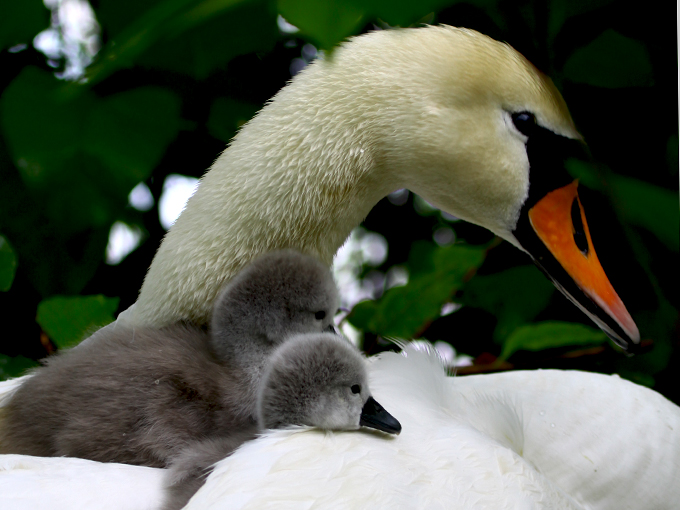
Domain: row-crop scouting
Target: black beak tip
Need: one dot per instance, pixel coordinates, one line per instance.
(626, 345)
(374, 416)
(634, 348)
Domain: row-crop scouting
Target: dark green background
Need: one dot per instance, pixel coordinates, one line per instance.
(174, 80)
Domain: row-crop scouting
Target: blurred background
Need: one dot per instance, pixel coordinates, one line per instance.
(111, 110)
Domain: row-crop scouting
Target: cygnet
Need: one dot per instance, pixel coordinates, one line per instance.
(140, 396)
(318, 380)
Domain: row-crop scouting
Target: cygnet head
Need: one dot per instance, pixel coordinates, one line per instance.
(280, 294)
(319, 380)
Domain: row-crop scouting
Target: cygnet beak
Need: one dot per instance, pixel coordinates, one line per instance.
(374, 416)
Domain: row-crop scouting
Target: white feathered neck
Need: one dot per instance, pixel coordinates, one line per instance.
(417, 108)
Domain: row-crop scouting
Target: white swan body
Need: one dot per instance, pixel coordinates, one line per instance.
(63, 483)
(519, 440)
(494, 441)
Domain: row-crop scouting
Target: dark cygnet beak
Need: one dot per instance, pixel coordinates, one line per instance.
(331, 329)
(374, 416)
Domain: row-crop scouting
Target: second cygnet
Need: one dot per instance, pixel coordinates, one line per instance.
(318, 380)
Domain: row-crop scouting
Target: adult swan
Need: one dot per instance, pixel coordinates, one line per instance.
(461, 119)
(475, 129)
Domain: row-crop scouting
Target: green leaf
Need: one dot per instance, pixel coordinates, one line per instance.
(51, 258)
(672, 149)
(8, 264)
(549, 335)
(134, 27)
(585, 172)
(211, 33)
(130, 131)
(637, 202)
(403, 13)
(329, 22)
(648, 206)
(80, 155)
(21, 21)
(68, 320)
(640, 378)
(228, 115)
(187, 36)
(14, 366)
(403, 311)
(41, 127)
(115, 16)
(612, 60)
(660, 326)
(561, 10)
(514, 296)
(421, 257)
(325, 23)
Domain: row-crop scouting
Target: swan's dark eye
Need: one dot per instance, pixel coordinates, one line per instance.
(319, 315)
(524, 122)
(356, 389)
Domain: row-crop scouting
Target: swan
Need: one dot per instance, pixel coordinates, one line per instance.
(473, 128)
(476, 130)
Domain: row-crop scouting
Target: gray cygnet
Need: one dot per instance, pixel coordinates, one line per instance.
(311, 379)
(140, 396)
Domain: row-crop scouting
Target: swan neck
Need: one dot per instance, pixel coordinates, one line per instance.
(286, 181)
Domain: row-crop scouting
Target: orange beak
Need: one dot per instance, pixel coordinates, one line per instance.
(559, 222)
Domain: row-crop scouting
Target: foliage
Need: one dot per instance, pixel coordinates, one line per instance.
(14, 366)
(68, 320)
(550, 335)
(175, 79)
(8, 264)
(612, 60)
(403, 311)
(514, 296)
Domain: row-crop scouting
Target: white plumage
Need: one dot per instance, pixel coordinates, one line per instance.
(62, 483)
(521, 440)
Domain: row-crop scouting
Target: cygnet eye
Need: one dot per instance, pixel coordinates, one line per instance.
(356, 389)
(319, 315)
(524, 122)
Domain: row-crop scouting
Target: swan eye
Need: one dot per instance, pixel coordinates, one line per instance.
(320, 315)
(524, 122)
(356, 389)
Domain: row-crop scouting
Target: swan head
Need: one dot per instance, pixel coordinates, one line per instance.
(319, 380)
(459, 118)
(485, 136)
(280, 294)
